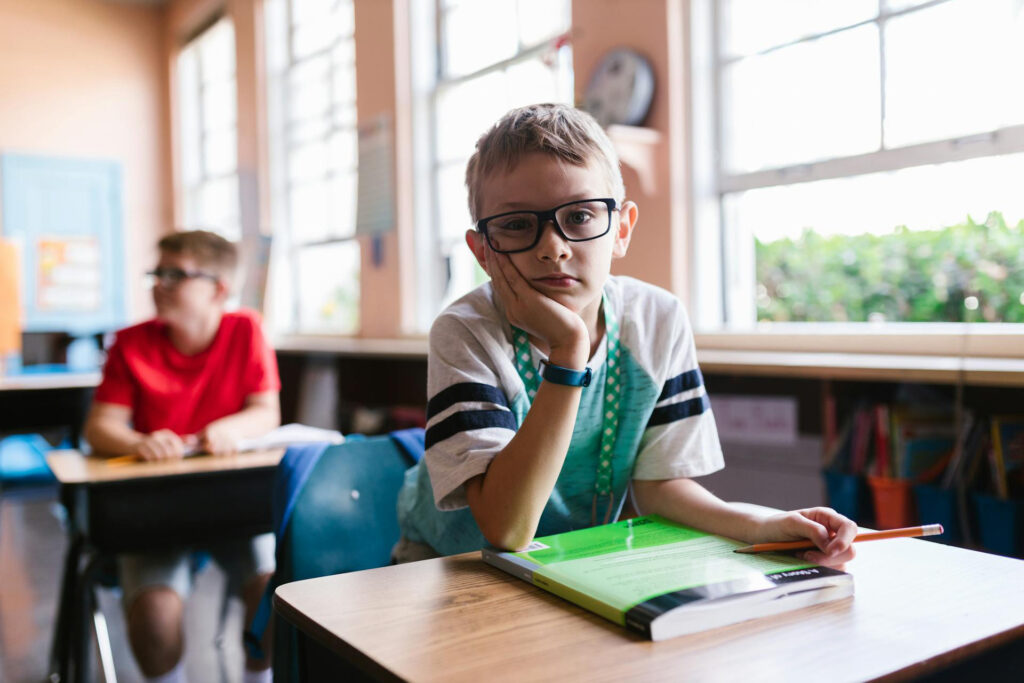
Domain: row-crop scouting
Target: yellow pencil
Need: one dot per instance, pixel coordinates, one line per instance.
(905, 532)
(123, 460)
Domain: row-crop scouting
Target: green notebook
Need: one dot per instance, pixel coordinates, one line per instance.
(663, 579)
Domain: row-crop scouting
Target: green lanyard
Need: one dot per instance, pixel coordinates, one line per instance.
(612, 395)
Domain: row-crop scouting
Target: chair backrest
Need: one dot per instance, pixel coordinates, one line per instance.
(341, 517)
(344, 518)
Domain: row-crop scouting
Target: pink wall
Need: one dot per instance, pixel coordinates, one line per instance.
(87, 78)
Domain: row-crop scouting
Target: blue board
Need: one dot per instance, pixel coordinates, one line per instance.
(70, 208)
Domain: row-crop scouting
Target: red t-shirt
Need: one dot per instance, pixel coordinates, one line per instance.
(167, 389)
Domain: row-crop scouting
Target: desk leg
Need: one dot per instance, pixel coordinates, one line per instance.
(60, 651)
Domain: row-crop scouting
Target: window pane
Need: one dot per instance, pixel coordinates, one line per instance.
(308, 162)
(540, 20)
(188, 117)
(344, 85)
(308, 94)
(343, 150)
(312, 129)
(478, 34)
(220, 153)
(932, 243)
(532, 81)
(954, 69)
(452, 196)
(465, 111)
(807, 102)
(343, 205)
(307, 208)
(311, 11)
(219, 105)
(751, 26)
(218, 207)
(328, 295)
(217, 52)
(896, 5)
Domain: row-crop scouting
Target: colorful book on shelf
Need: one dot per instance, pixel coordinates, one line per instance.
(1008, 454)
(662, 579)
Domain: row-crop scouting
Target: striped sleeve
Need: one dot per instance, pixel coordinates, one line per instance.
(681, 438)
(468, 414)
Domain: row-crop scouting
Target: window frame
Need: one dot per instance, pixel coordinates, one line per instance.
(188, 196)
(430, 85)
(286, 286)
(716, 313)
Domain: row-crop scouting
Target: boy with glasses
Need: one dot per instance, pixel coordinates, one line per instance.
(556, 389)
(193, 379)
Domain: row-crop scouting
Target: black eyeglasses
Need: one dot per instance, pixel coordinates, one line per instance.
(172, 277)
(579, 221)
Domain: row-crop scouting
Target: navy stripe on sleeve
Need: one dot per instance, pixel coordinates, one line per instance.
(468, 420)
(691, 379)
(679, 411)
(465, 391)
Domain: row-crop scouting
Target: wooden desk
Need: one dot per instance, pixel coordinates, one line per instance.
(143, 506)
(32, 401)
(920, 607)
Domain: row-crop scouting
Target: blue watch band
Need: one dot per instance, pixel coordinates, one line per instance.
(556, 374)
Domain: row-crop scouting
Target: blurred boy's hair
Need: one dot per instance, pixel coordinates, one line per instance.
(209, 249)
(565, 133)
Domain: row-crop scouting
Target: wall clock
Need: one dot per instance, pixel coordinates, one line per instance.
(620, 89)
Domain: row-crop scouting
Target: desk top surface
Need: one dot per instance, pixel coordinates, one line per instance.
(57, 379)
(919, 606)
(72, 467)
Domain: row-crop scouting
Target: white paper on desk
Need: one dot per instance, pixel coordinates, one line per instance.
(290, 435)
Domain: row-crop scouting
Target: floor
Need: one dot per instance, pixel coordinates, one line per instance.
(32, 544)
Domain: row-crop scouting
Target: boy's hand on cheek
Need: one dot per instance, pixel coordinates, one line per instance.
(540, 316)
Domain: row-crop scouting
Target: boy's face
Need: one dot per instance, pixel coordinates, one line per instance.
(571, 273)
(185, 291)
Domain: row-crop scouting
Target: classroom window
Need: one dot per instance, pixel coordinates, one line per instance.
(865, 161)
(207, 133)
(311, 109)
(488, 57)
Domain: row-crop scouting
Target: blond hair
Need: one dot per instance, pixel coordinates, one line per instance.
(565, 133)
(209, 249)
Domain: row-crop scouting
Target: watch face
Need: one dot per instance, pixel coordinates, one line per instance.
(621, 89)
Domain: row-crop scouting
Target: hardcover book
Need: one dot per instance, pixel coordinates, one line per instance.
(662, 579)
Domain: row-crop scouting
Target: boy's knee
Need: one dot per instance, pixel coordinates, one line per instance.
(155, 629)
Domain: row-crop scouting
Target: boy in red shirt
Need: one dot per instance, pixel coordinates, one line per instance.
(194, 377)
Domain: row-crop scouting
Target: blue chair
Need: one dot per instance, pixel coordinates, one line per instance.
(335, 512)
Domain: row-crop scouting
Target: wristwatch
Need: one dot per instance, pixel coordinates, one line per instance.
(556, 374)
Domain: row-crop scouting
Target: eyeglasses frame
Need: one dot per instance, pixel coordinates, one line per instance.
(186, 275)
(544, 217)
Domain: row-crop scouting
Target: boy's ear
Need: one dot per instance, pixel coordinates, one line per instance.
(624, 228)
(223, 290)
(476, 244)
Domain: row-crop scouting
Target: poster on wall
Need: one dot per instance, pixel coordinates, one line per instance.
(69, 275)
(66, 214)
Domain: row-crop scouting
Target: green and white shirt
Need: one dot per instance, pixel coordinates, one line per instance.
(477, 400)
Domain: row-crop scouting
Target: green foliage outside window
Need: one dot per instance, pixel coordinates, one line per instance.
(969, 272)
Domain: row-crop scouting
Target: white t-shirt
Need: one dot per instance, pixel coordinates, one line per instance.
(477, 400)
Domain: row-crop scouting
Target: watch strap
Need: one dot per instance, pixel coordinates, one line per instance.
(556, 374)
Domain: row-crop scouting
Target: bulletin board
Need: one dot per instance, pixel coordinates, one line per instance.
(65, 216)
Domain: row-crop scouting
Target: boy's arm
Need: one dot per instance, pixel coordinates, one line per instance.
(687, 502)
(108, 430)
(508, 499)
(262, 412)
